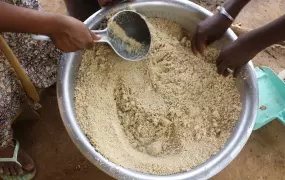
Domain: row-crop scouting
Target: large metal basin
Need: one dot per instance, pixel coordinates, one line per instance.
(188, 15)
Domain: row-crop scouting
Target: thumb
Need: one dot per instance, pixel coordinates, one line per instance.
(95, 36)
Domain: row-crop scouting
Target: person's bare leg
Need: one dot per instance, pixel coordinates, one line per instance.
(81, 9)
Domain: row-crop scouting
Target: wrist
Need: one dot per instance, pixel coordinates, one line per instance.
(233, 7)
(52, 23)
(225, 19)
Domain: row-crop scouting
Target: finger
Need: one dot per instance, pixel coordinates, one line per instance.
(222, 67)
(90, 43)
(12, 170)
(6, 170)
(95, 37)
(194, 50)
(219, 59)
(200, 44)
(237, 72)
(19, 170)
(226, 73)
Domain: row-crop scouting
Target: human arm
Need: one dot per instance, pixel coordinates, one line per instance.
(213, 28)
(67, 33)
(239, 52)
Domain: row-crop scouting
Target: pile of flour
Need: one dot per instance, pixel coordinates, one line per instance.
(119, 35)
(162, 115)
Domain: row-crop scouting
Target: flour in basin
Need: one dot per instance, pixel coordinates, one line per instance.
(165, 114)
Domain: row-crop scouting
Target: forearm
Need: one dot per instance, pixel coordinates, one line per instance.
(17, 19)
(267, 35)
(233, 7)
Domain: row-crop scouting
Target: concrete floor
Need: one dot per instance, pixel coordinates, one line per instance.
(57, 158)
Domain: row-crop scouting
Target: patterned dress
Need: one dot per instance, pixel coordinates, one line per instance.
(38, 58)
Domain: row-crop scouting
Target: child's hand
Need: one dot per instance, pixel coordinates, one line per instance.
(208, 31)
(108, 2)
(72, 35)
(236, 54)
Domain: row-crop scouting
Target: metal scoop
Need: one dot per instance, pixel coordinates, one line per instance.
(134, 26)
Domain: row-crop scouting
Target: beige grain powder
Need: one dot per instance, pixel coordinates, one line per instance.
(162, 115)
(132, 46)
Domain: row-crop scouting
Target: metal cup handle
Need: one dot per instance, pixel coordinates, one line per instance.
(40, 37)
(102, 33)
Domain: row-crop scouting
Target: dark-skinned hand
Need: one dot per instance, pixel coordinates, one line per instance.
(72, 35)
(235, 55)
(208, 31)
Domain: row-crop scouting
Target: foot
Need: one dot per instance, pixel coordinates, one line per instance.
(12, 168)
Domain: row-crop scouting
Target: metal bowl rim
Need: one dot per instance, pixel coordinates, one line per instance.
(203, 171)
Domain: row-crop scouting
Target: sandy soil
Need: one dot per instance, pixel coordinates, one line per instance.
(263, 157)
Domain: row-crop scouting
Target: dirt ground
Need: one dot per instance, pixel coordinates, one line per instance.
(263, 157)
